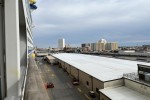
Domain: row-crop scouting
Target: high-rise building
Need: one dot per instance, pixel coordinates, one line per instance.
(93, 46)
(86, 45)
(99, 46)
(61, 43)
(102, 45)
(111, 46)
(102, 41)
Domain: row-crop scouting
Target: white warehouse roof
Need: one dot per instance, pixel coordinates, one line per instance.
(102, 68)
(123, 93)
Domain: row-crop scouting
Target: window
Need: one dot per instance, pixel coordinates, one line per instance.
(87, 83)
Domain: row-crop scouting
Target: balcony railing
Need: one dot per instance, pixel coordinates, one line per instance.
(29, 17)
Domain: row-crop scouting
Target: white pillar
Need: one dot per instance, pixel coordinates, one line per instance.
(12, 49)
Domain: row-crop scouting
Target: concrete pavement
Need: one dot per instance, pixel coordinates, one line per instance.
(63, 89)
(41, 72)
(35, 89)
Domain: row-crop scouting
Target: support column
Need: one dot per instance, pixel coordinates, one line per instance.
(78, 74)
(92, 82)
(70, 69)
(12, 49)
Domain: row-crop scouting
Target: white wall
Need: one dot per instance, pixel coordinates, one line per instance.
(97, 84)
(113, 83)
(137, 87)
(12, 49)
(74, 72)
(67, 67)
(84, 78)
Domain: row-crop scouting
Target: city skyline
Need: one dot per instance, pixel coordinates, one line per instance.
(126, 22)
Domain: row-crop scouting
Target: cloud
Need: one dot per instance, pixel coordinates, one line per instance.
(46, 26)
(89, 20)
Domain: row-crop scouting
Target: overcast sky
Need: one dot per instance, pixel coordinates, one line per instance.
(85, 21)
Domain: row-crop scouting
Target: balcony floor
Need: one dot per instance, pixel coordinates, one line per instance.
(35, 89)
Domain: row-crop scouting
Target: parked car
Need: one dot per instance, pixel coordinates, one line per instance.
(75, 81)
(49, 85)
(92, 94)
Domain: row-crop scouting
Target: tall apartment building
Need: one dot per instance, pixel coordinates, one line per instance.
(15, 43)
(86, 45)
(93, 46)
(111, 46)
(102, 45)
(61, 43)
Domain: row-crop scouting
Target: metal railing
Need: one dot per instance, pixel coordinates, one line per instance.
(29, 17)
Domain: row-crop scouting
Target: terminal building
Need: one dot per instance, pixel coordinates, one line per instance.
(16, 43)
(109, 78)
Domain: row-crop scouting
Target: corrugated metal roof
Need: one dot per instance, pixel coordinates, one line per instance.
(123, 93)
(102, 68)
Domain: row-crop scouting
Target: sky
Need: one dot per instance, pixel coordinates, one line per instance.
(87, 21)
